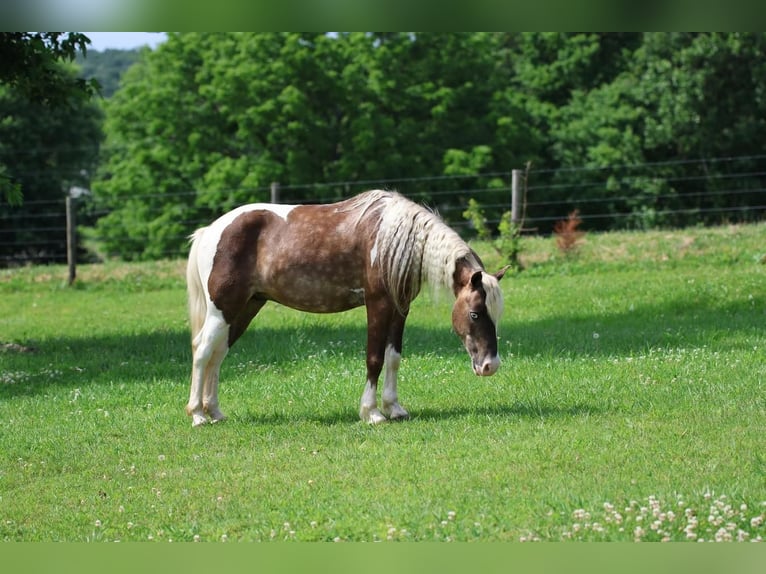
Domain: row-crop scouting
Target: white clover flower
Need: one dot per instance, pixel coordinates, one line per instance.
(723, 535)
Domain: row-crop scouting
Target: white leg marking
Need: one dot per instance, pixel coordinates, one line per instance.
(368, 406)
(210, 395)
(212, 336)
(391, 406)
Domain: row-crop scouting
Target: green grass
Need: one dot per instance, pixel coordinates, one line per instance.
(631, 403)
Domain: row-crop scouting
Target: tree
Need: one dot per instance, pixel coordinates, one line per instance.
(30, 65)
(45, 150)
(680, 97)
(208, 121)
(107, 67)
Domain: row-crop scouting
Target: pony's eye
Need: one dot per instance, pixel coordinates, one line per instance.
(473, 315)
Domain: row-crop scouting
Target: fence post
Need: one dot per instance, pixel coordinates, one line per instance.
(274, 192)
(515, 192)
(71, 238)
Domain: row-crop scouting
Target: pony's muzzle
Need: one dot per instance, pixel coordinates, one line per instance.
(488, 367)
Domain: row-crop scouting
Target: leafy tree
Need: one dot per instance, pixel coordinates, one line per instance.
(107, 67)
(208, 121)
(29, 62)
(707, 99)
(46, 151)
(681, 96)
(30, 65)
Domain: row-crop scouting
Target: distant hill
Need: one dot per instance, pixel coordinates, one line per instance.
(107, 67)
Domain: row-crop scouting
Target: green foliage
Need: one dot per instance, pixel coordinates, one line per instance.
(475, 215)
(10, 189)
(209, 120)
(31, 65)
(32, 69)
(44, 152)
(508, 240)
(106, 67)
(629, 406)
(678, 96)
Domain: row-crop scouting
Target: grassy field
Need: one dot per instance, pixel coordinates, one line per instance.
(630, 405)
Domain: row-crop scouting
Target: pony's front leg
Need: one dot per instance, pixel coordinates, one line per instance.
(391, 407)
(368, 406)
(378, 321)
(385, 328)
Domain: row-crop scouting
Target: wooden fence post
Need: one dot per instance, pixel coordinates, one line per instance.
(274, 192)
(71, 239)
(515, 193)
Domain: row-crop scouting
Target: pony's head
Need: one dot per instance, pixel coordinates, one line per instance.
(475, 317)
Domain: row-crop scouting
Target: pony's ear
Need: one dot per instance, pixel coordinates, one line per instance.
(499, 274)
(476, 280)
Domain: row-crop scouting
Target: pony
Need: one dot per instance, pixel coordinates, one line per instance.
(375, 249)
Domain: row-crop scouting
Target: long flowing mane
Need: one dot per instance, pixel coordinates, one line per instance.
(412, 245)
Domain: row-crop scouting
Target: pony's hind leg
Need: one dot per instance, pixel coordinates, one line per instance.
(210, 391)
(213, 370)
(206, 347)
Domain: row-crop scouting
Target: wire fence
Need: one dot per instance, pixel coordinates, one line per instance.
(651, 195)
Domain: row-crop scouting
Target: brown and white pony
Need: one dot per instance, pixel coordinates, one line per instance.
(375, 249)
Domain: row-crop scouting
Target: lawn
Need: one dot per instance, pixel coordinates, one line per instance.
(630, 405)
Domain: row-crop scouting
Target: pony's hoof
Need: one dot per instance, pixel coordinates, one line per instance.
(215, 415)
(198, 420)
(396, 413)
(373, 417)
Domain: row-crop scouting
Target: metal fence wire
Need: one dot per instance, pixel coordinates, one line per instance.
(651, 195)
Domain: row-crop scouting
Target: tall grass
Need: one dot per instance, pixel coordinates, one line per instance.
(630, 405)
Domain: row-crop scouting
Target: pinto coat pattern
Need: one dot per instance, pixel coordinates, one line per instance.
(376, 249)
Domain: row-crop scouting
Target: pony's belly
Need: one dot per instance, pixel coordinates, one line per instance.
(322, 300)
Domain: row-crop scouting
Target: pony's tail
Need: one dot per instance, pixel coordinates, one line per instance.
(197, 300)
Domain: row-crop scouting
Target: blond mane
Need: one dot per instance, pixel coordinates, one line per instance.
(414, 246)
